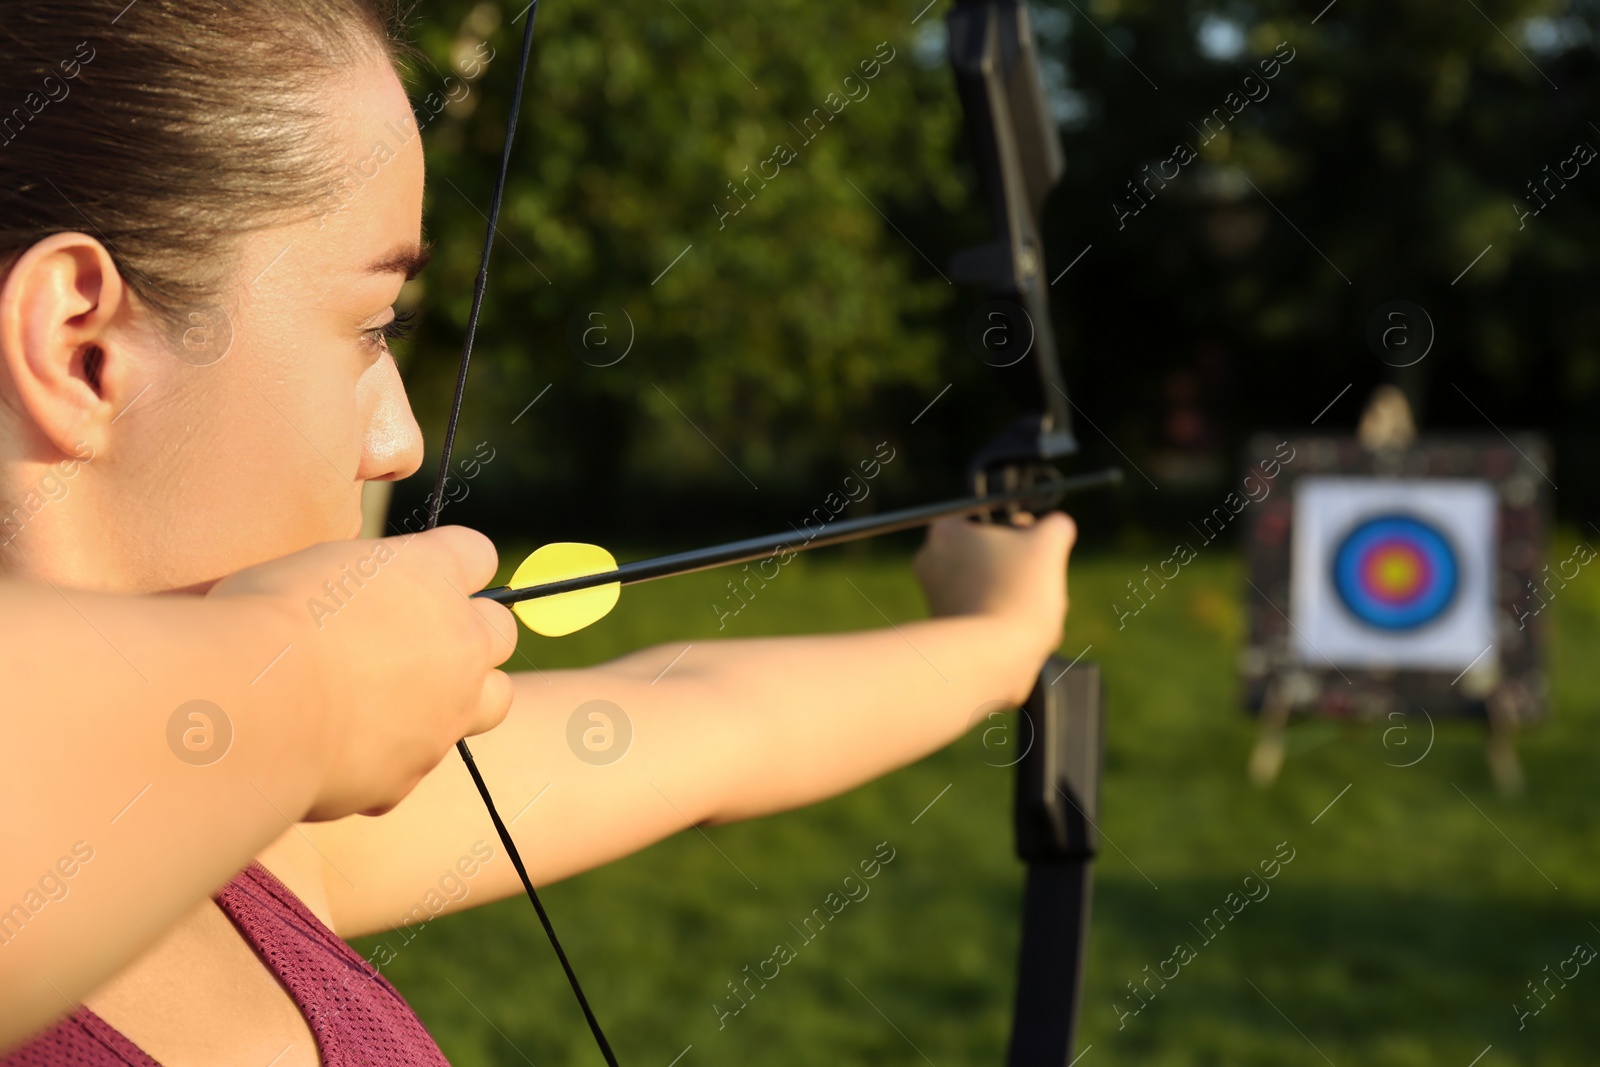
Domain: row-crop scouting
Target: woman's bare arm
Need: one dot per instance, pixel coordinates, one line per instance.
(733, 730)
(126, 803)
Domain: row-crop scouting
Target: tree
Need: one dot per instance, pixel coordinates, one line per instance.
(708, 183)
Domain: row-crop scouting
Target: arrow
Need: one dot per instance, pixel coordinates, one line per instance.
(565, 586)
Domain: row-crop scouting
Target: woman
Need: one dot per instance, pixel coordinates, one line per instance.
(172, 183)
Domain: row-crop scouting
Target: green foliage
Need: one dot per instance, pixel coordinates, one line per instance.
(1390, 160)
(774, 330)
(1400, 935)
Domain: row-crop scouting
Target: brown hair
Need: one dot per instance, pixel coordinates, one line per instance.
(169, 128)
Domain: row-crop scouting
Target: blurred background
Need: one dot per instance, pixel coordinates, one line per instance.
(667, 360)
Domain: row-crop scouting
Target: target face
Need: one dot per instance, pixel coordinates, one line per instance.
(1396, 572)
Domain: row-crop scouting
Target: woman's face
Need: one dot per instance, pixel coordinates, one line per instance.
(254, 437)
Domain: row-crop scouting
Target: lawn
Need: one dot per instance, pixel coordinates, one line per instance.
(1406, 927)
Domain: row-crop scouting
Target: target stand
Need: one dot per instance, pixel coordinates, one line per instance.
(1394, 584)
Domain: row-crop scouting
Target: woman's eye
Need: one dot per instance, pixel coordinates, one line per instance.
(397, 329)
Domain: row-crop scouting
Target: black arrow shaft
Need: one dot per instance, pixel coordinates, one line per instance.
(834, 533)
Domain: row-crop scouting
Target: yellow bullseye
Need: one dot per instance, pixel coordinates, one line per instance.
(565, 613)
(1396, 573)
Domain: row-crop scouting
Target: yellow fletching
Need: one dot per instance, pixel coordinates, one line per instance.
(565, 613)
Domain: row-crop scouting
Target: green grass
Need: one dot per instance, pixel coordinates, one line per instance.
(1401, 934)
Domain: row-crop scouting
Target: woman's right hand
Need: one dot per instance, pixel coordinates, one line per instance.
(403, 657)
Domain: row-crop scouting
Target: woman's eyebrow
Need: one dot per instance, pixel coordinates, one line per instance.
(409, 260)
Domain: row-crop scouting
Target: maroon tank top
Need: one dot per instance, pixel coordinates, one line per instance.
(358, 1018)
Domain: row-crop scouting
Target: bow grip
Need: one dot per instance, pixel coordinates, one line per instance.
(1058, 779)
(1057, 807)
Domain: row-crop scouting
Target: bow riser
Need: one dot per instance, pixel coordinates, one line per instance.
(1019, 161)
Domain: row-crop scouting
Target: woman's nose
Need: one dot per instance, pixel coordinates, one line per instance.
(392, 445)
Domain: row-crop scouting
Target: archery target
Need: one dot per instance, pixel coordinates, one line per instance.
(1393, 573)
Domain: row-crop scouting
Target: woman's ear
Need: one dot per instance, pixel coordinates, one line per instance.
(66, 365)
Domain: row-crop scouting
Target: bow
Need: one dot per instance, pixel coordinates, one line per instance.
(1019, 161)
(1018, 153)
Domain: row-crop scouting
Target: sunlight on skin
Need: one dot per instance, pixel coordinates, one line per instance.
(204, 470)
(263, 452)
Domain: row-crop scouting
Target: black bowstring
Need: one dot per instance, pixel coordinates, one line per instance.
(437, 504)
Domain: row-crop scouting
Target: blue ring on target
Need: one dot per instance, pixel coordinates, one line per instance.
(1396, 572)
